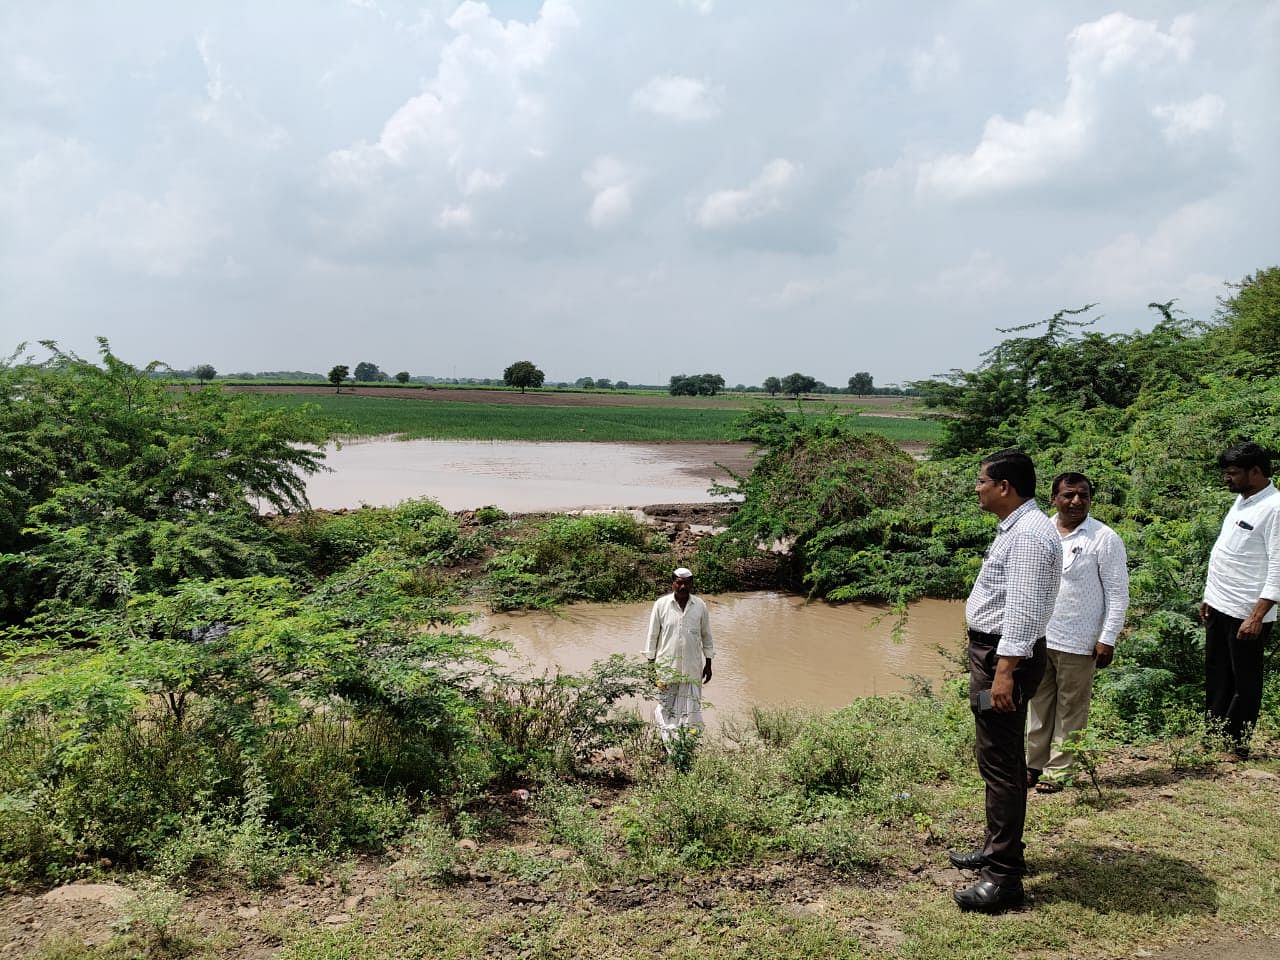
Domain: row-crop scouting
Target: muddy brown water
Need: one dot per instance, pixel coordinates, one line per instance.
(522, 476)
(772, 649)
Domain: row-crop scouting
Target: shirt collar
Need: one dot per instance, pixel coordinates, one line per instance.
(1005, 525)
(1264, 492)
(1085, 525)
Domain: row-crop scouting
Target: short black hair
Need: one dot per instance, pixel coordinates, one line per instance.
(1246, 455)
(1071, 478)
(1014, 466)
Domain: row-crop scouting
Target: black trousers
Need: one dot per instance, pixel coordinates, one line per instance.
(1002, 755)
(1233, 671)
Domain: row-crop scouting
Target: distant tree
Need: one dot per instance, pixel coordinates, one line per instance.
(586, 383)
(368, 372)
(523, 374)
(773, 386)
(862, 383)
(622, 385)
(402, 376)
(604, 383)
(338, 374)
(696, 385)
(205, 372)
(798, 383)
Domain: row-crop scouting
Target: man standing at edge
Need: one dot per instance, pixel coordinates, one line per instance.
(1240, 593)
(1007, 613)
(680, 644)
(1087, 618)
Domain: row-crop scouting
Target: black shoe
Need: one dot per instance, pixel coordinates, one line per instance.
(1033, 777)
(973, 860)
(991, 897)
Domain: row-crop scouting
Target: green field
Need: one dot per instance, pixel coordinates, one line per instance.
(448, 420)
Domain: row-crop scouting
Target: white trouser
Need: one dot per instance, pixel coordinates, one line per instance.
(679, 705)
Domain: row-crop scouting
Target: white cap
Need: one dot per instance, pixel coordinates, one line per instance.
(682, 573)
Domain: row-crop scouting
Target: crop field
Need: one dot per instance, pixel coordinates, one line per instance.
(449, 420)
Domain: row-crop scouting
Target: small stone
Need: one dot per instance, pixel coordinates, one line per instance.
(1168, 793)
(614, 754)
(466, 843)
(336, 919)
(561, 853)
(352, 902)
(247, 913)
(1253, 773)
(595, 802)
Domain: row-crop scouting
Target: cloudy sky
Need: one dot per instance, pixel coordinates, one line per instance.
(623, 190)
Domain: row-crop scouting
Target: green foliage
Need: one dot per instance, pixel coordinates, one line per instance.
(598, 557)
(523, 374)
(696, 385)
(116, 484)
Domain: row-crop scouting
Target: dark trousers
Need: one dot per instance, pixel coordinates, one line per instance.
(1002, 757)
(1233, 669)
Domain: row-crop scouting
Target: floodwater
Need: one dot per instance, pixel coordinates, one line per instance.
(519, 476)
(772, 649)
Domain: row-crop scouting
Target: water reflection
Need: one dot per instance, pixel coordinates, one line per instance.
(772, 649)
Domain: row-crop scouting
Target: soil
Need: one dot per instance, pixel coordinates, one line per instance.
(93, 911)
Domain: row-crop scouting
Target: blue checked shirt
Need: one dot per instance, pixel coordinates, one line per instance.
(1015, 590)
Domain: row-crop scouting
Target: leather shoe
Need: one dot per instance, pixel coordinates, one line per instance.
(973, 860)
(990, 897)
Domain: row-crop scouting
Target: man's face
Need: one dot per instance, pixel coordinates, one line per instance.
(680, 587)
(1072, 502)
(988, 490)
(1240, 480)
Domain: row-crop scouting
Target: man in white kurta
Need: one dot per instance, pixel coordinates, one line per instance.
(1081, 637)
(679, 645)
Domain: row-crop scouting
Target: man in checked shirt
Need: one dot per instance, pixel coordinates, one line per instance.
(1007, 613)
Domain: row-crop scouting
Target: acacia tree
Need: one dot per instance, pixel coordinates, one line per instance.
(115, 484)
(205, 372)
(339, 374)
(402, 376)
(523, 374)
(368, 372)
(773, 386)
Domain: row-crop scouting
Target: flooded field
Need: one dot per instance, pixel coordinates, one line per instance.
(520, 476)
(772, 649)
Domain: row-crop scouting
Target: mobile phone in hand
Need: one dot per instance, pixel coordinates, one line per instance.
(984, 701)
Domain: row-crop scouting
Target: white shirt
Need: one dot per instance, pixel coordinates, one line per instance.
(680, 640)
(1014, 593)
(1244, 566)
(1094, 593)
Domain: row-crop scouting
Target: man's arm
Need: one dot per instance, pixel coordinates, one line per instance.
(1270, 593)
(655, 630)
(708, 645)
(1113, 571)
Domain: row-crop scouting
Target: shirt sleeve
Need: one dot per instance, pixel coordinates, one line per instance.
(1029, 596)
(708, 645)
(1271, 585)
(655, 630)
(1113, 570)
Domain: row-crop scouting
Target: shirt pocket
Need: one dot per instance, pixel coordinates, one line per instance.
(1238, 536)
(1079, 566)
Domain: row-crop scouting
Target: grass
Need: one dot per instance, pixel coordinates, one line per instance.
(450, 420)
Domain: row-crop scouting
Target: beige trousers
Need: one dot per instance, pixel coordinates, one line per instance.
(1059, 708)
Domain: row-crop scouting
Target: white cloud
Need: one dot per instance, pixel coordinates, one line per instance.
(1045, 143)
(226, 110)
(453, 218)
(765, 194)
(1188, 119)
(483, 181)
(983, 273)
(677, 98)
(935, 65)
(612, 185)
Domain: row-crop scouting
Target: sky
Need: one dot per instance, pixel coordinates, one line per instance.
(624, 190)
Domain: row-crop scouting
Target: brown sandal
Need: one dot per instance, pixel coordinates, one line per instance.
(1048, 786)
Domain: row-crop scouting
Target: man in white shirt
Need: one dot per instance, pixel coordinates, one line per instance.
(679, 644)
(1240, 593)
(1087, 618)
(1006, 613)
